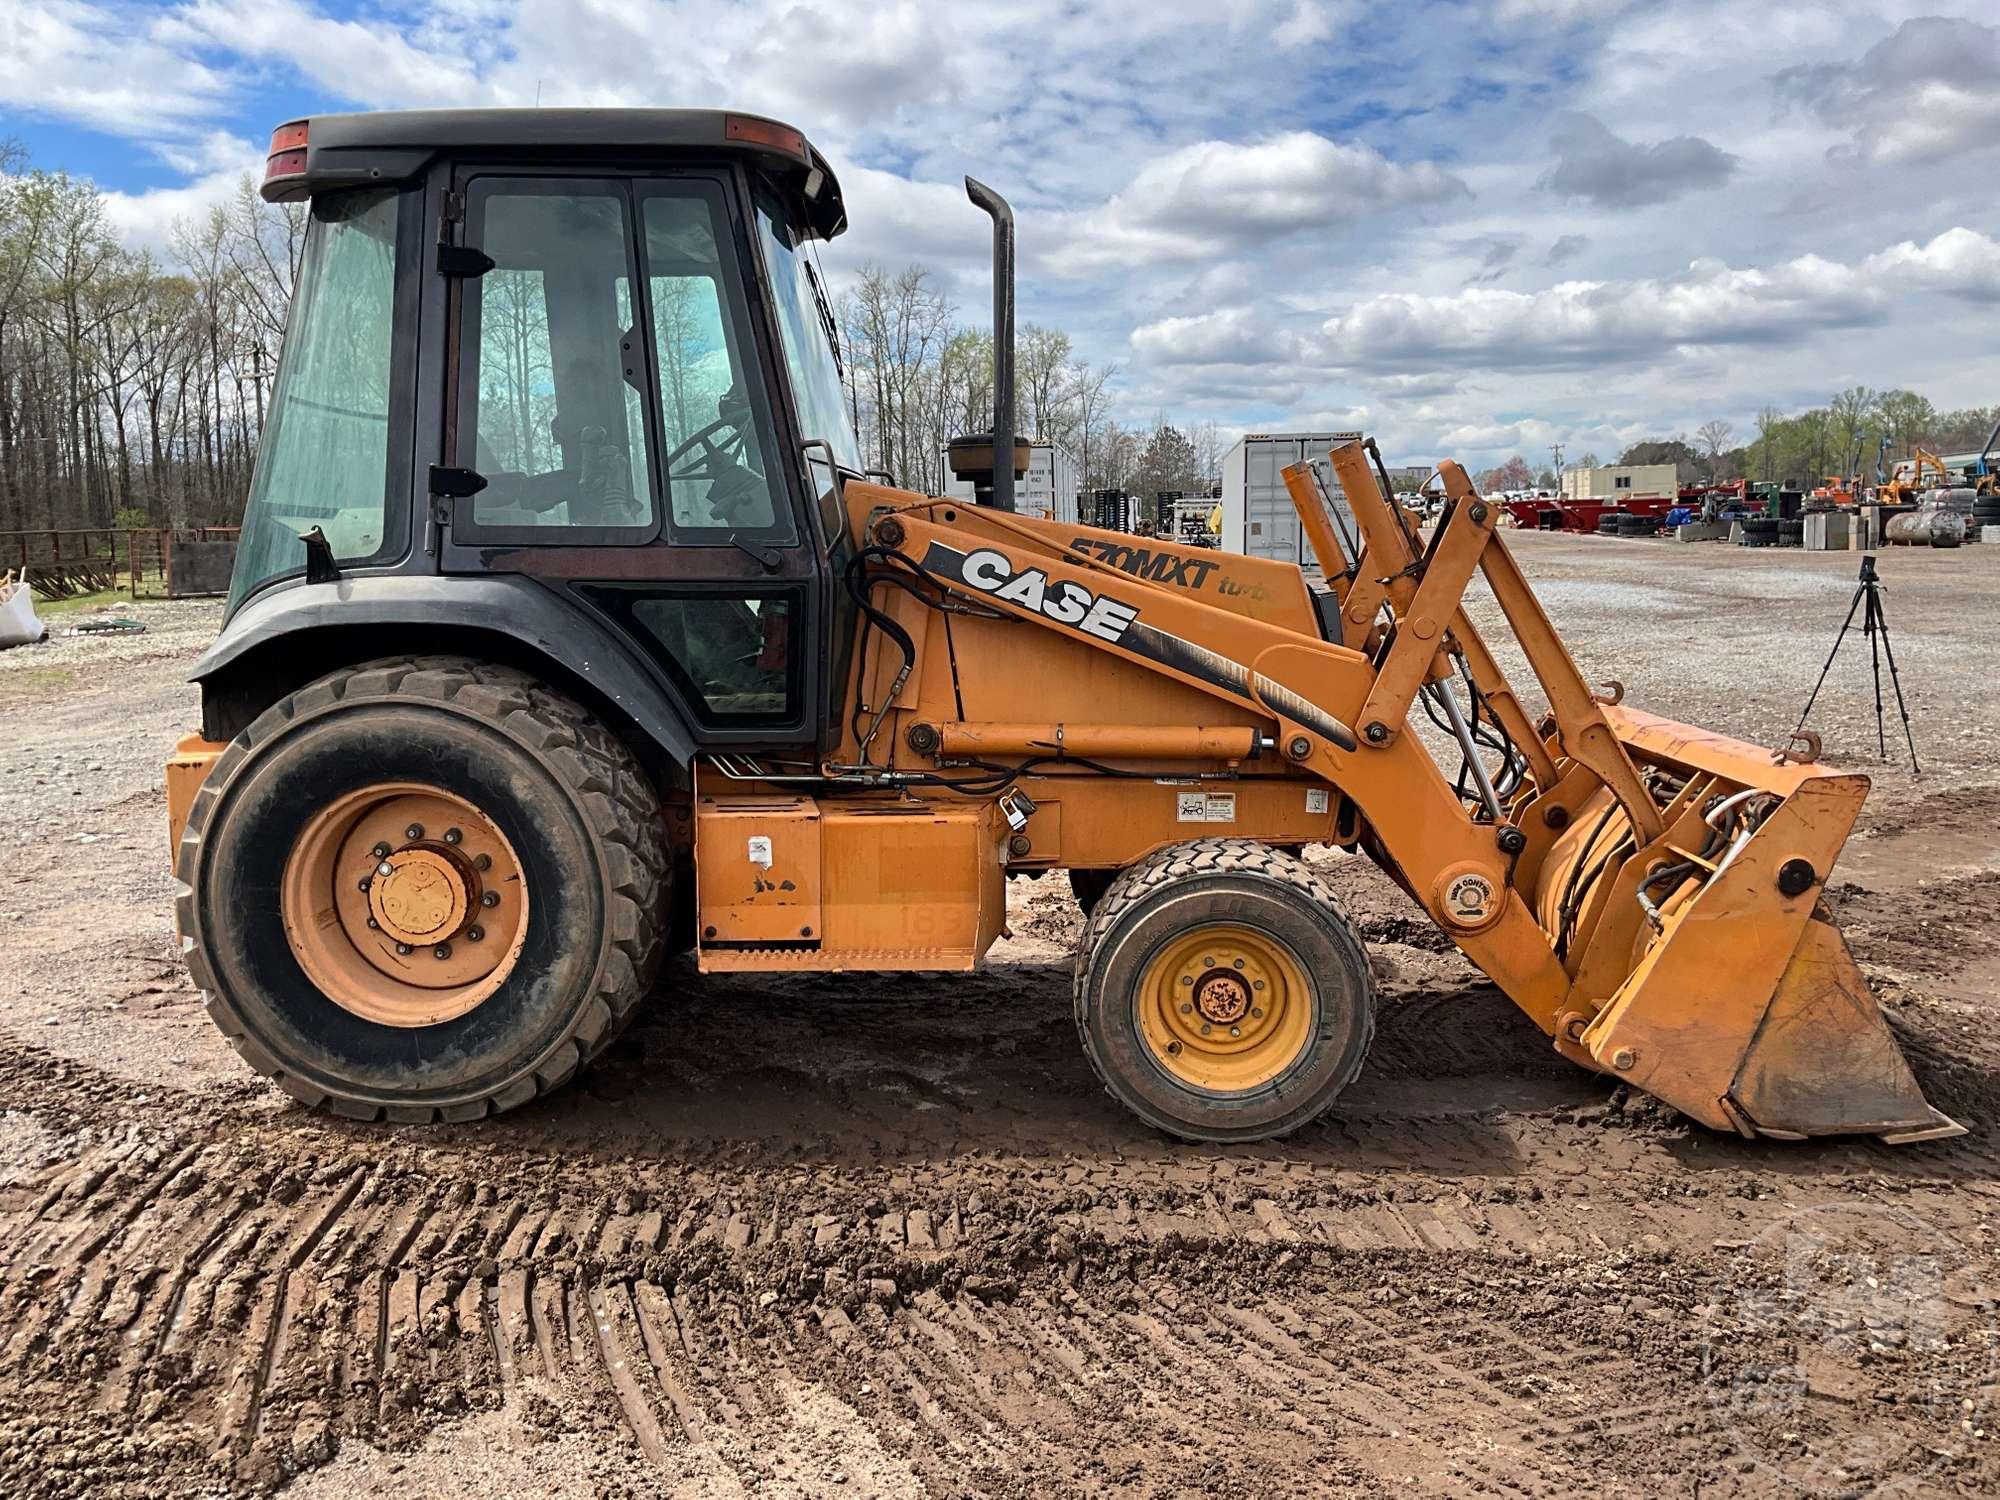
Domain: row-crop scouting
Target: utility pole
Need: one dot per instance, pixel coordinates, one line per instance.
(1557, 450)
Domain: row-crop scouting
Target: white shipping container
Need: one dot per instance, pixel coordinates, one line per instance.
(1258, 518)
(1047, 490)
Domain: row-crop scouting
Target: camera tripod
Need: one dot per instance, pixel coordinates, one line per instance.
(1875, 626)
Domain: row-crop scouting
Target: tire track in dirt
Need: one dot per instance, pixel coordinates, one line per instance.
(989, 1331)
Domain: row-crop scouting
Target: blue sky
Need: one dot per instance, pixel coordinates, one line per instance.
(1472, 229)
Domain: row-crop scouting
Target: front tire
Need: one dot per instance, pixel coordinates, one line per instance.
(491, 958)
(1221, 993)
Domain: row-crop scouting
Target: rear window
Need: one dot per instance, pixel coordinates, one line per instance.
(324, 457)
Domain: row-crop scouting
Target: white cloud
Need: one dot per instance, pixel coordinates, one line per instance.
(102, 68)
(1215, 197)
(1591, 323)
(1229, 335)
(219, 161)
(1310, 21)
(1928, 92)
(371, 63)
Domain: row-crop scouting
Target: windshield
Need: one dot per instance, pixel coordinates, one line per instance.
(323, 459)
(805, 322)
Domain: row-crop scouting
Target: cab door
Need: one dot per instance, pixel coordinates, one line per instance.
(611, 431)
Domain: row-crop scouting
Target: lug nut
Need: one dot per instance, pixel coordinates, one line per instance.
(381, 851)
(482, 861)
(452, 835)
(474, 934)
(1204, 1028)
(1256, 984)
(385, 868)
(375, 925)
(366, 881)
(489, 898)
(442, 950)
(1256, 1014)
(1187, 1007)
(1207, 963)
(403, 949)
(1173, 1049)
(1187, 979)
(1236, 1031)
(414, 831)
(1238, 962)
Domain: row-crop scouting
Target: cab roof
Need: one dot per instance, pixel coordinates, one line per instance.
(322, 153)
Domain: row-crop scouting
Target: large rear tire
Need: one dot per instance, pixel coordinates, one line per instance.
(1221, 993)
(378, 965)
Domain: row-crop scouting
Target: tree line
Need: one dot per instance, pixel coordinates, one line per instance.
(918, 376)
(1850, 434)
(132, 386)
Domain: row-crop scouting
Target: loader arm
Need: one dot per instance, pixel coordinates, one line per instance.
(1572, 891)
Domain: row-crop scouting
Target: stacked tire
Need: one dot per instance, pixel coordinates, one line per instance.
(1607, 524)
(1633, 525)
(1760, 531)
(1791, 533)
(1985, 512)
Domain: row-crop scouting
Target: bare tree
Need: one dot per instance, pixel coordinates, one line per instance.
(1713, 436)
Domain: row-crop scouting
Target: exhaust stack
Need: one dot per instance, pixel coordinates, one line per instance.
(1003, 339)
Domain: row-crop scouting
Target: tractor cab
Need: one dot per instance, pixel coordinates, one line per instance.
(584, 356)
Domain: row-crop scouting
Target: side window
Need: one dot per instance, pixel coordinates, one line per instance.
(714, 409)
(551, 381)
(730, 654)
(325, 458)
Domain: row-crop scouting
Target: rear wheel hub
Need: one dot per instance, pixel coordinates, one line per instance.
(419, 895)
(404, 904)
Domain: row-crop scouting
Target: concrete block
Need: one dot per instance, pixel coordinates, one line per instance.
(1702, 531)
(1826, 531)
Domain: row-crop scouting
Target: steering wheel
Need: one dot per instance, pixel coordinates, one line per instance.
(717, 457)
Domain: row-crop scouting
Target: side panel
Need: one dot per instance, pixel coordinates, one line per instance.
(793, 883)
(757, 867)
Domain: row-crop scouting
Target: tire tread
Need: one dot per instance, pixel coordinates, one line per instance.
(612, 794)
(1177, 863)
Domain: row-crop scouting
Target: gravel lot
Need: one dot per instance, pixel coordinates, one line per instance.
(884, 1234)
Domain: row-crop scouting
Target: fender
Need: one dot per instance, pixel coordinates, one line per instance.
(540, 623)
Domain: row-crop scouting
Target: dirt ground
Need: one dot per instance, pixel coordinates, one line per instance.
(884, 1235)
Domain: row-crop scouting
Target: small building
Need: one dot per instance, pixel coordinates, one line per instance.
(1047, 490)
(1616, 482)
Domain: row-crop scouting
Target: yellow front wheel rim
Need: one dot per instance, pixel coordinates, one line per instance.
(1225, 1008)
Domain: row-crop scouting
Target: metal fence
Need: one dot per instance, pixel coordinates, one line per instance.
(84, 560)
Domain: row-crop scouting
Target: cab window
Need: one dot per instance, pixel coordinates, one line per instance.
(325, 459)
(805, 323)
(732, 655)
(553, 379)
(714, 409)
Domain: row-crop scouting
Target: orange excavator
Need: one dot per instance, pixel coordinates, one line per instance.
(1921, 471)
(567, 633)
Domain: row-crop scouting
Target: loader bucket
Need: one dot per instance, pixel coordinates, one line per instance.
(1704, 969)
